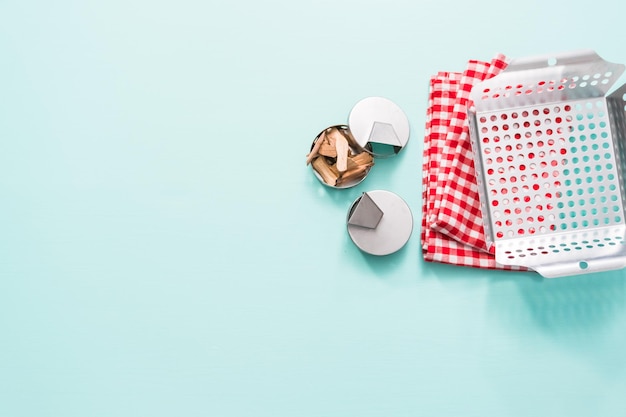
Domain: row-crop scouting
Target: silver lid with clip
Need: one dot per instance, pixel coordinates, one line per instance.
(381, 123)
(379, 222)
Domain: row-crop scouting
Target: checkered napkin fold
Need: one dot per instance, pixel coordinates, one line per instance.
(452, 223)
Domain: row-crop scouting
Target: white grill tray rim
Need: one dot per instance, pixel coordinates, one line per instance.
(549, 147)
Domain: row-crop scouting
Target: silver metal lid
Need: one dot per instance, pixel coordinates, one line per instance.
(381, 123)
(379, 222)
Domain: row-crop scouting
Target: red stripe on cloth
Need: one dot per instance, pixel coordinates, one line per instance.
(452, 224)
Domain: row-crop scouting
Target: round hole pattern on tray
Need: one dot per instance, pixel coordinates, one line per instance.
(549, 168)
(543, 86)
(565, 247)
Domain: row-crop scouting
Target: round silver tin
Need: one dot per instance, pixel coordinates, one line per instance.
(354, 147)
(379, 222)
(381, 123)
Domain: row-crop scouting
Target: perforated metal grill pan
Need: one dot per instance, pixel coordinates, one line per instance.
(549, 149)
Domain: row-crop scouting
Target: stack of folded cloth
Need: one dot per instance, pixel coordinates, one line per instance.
(452, 224)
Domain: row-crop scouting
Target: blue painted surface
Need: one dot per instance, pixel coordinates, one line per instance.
(165, 251)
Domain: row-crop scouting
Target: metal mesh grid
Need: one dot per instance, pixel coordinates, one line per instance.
(549, 166)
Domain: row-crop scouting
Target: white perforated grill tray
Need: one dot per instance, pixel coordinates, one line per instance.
(548, 149)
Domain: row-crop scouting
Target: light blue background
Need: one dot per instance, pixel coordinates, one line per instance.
(164, 251)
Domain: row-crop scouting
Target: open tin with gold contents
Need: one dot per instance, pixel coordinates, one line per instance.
(341, 156)
(337, 160)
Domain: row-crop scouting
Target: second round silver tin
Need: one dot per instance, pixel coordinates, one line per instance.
(379, 222)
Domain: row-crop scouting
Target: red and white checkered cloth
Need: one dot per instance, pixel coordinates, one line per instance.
(452, 224)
